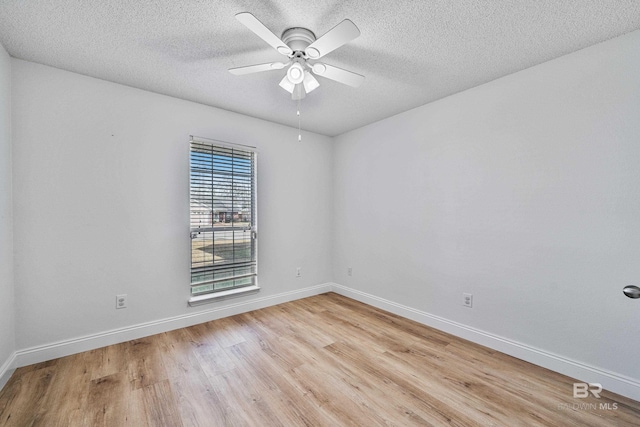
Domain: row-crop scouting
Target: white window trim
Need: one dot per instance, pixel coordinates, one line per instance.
(202, 299)
(236, 292)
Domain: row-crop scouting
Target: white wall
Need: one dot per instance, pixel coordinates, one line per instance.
(7, 342)
(524, 192)
(101, 203)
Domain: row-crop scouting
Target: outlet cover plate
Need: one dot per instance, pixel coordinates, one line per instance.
(121, 301)
(467, 300)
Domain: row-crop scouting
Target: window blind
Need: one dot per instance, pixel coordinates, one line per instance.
(222, 217)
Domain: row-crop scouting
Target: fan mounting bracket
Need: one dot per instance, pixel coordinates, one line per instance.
(298, 38)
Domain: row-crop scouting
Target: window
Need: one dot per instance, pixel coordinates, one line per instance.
(223, 219)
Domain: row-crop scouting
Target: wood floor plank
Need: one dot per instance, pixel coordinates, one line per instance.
(159, 405)
(318, 337)
(196, 399)
(246, 399)
(22, 396)
(423, 399)
(333, 396)
(145, 364)
(210, 354)
(283, 395)
(270, 343)
(107, 401)
(66, 396)
(108, 360)
(326, 360)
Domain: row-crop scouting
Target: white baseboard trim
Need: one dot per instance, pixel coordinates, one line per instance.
(611, 381)
(6, 370)
(63, 348)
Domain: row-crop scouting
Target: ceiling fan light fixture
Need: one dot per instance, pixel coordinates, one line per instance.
(298, 92)
(310, 83)
(302, 47)
(286, 84)
(295, 73)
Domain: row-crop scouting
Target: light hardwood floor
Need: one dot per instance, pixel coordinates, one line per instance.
(321, 361)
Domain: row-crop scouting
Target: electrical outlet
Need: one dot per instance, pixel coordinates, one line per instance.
(121, 301)
(299, 272)
(467, 300)
(349, 271)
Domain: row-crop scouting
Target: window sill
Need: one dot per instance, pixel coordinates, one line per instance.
(203, 299)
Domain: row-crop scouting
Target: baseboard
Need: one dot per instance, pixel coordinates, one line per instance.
(63, 348)
(6, 370)
(611, 381)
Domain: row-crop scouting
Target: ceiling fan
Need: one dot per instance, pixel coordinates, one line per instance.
(301, 47)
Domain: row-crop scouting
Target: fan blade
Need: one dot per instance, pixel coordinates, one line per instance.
(341, 34)
(338, 74)
(252, 23)
(239, 71)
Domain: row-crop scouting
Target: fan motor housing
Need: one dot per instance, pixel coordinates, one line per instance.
(298, 38)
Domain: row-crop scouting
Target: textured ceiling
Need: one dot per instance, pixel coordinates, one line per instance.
(411, 52)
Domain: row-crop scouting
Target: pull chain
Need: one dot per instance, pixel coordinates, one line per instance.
(299, 131)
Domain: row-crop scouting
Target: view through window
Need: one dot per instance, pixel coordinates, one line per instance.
(222, 217)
